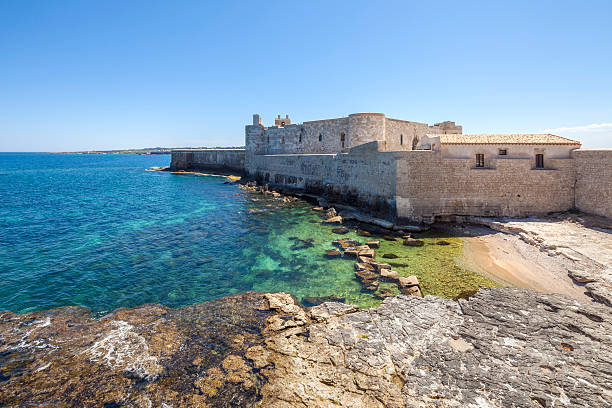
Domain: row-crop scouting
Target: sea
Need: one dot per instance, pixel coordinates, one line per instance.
(100, 231)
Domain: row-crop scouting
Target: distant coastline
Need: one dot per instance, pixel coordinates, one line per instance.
(148, 150)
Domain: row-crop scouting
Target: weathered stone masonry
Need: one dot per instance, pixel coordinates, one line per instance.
(411, 171)
(208, 159)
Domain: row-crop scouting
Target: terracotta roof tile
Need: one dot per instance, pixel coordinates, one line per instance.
(506, 139)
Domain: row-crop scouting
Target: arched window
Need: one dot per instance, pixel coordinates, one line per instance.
(320, 137)
(342, 139)
(401, 139)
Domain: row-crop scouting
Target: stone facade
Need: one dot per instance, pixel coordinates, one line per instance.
(594, 181)
(208, 159)
(413, 172)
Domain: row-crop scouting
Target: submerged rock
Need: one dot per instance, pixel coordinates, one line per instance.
(364, 233)
(317, 300)
(384, 293)
(340, 230)
(333, 253)
(413, 242)
(390, 256)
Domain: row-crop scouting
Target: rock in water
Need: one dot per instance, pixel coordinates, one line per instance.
(364, 233)
(373, 244)
(413, 242)
(333, 220)
(390, 256)
(340, 230)
(333, 253)
(317, 300)
(389, 275)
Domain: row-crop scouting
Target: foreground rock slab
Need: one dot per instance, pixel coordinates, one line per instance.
(501, 348)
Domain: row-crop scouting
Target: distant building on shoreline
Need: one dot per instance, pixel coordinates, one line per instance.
(415, 172)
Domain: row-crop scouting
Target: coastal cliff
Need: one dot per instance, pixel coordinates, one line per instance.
(501, 347)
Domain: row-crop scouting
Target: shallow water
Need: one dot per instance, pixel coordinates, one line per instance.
(100, 231)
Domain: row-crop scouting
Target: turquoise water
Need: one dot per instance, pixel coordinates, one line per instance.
(100, 231)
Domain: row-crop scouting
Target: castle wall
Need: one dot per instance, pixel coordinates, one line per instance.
(594, 181)
(366, 128)
(432, 186)
(330, 131)
(208, 159)
(362, 177)
(400, 134)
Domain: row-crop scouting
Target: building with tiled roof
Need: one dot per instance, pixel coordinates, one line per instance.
(514, 138)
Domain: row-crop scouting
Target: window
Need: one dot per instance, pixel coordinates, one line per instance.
(539, 161)
(479, 160)
(503, 152)
(282, 139)
(320, 137)
(401, 139)
(342, 139)
(300, 139)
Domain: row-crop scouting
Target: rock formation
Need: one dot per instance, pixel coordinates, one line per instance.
(502, 347)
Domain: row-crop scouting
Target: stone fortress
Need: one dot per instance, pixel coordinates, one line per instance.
(412, 172)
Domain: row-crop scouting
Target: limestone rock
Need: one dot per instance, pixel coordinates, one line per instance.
(363, 267)
(413, 242)
(407, 281)
(373, 244)
(327, 310)
(368, 253)
(379, 266)
(503, 347)
(351, 253)
(333, 220)
(389, 275)
(365, 275)
(333, 253)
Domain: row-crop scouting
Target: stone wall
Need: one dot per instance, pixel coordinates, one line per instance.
(339, 134)
(594, 181)
(421, 185)
(231, 160)
(431, 186)
(363, 177)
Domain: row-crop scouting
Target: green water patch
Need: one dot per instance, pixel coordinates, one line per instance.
(434, 265)
(294, 260)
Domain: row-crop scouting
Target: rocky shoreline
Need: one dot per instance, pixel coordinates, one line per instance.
(501, 347)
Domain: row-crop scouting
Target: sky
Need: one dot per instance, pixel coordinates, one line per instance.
(93, 75)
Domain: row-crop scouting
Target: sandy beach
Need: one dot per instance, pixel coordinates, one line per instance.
(524, 257)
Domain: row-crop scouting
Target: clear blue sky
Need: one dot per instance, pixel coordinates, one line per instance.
(78, 75)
